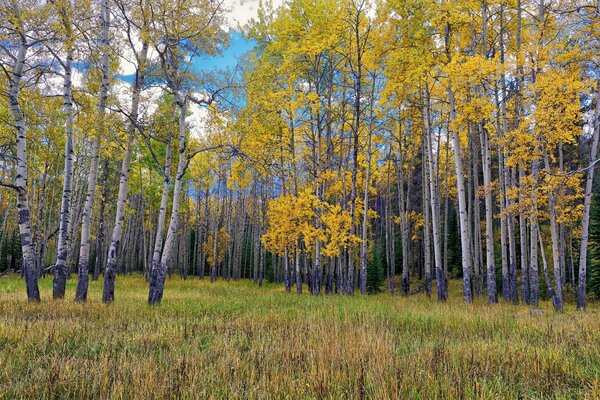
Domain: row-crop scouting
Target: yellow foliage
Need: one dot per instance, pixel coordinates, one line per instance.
(304, 217)
(223, 240)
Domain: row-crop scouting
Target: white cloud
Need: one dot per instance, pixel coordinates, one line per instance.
(127, 62)
(242, 11)
(196, 121)
(239, 14)
(76, 78)
(126, 67)
(52, 84)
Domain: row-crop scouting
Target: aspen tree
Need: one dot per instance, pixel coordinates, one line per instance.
(101, 128)
(132, 19)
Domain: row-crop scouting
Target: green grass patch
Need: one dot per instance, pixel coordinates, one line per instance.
(235, 340)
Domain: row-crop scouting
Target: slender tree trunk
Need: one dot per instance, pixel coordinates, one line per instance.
(86, 221)
(286, 271)
(446, 204)
(86, 225)
(162, 212)
(319, 189)
(476, 242)
(512, 248)
(507, 181)
(404, 226)
(571, 258)
(110, 270)
(533, 222)
(197, 243)
(145, 241)
(29, 268)
(522, 220)
(205, 227)
(101, 223)
(557, 300)
(75, 217)
(503, 230)
(38, 232)
(317, 269)
(426, 223)
(363, 242)
(523, 243)
(562, 251)
(298, 272)
(256, 250)
(355, 166)
(486, 159)
(158, 275)
(585, 222)
(261, 273)
(60, 267)
(213, 264)
(390, 236)
(440, 276)
(462, 210)
(551, 292)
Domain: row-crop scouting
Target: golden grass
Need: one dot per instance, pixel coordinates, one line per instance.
(233, 340)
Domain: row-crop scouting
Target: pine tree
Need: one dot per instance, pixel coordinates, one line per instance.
(376, 267)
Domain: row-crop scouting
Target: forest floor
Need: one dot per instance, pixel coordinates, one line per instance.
(234, 340)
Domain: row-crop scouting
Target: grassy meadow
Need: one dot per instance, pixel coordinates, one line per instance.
(237, 341)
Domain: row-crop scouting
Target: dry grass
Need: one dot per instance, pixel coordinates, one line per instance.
(237, 341)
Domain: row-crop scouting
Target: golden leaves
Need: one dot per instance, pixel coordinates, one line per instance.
(557, 110)
(222, 245)
(305, 217)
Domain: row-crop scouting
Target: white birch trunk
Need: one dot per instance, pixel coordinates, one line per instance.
(86, 221)
(23, 213)
(108, 293)
(60, 268)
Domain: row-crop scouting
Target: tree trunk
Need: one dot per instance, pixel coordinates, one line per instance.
(60, 267)
(110, 270)
(533, 221)
(286, 271)
(390, 236)
(38, 231)
(298, 272)
(585, 222)
(462, 211)
(523, 243)
(101, 222)
(158, 274)
(503, 229)
(440, 276)
(426, 228)
(492, 294)
(86, 221)
(162, 212)
(363, 242)
(404, 226)
(557, 299)
(29, 268)
(553, 298)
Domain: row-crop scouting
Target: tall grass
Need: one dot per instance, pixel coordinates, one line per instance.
(233, 340)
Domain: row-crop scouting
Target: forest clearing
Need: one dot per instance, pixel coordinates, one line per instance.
(235, 340)
(300, 199)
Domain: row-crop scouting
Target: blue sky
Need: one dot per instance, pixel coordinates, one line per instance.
(238, 47)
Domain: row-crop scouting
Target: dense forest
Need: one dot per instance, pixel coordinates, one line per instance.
(358, 147)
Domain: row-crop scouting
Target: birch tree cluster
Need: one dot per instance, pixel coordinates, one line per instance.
(358, 146)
